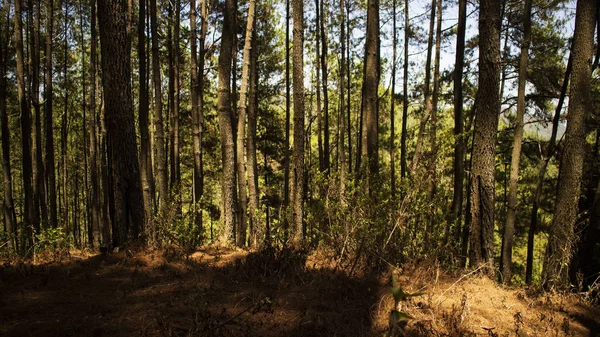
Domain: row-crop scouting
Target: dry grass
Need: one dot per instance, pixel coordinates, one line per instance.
(224, 291)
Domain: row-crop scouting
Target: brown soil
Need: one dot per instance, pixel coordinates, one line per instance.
(230, 292)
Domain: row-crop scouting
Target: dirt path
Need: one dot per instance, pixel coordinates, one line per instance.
(214, 293)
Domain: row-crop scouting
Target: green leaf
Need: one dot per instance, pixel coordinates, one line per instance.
(400, 295)
(400, 316)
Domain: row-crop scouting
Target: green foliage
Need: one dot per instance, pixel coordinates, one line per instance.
(399, 319)
(52, 240)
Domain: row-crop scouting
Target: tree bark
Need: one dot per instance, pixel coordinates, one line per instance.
(511, 216)
(460, 144)
(160, 161)
(342, 131)
(226, 124)
(560, 242)
(8, 205)
(298, 155)
(257, 232)
(128, 219)
(28, 209)
(484, 142)
(403, 136)
(241, 127)
(324, 75)
(147, 177)
(370, 108)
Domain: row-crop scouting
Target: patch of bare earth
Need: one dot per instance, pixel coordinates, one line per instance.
(221, 291)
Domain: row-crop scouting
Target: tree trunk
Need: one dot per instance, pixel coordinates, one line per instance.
(324, 75)
(484, 143)
(511, 216)
(241, 126)
(286, 159)
(39, 194)
(116, 69)
(560, 242)
(28, 211)
(176, 147)
(342, 130)
(257, 232)
(226, 124)
(403, 166)
(197, 96)
(8, 206)
(298, 155)
(460, 144)
(64, 135)
(318, 86)
(147, 177)
(160, 161)
(370, 106)
(427, 93)
(95, 168)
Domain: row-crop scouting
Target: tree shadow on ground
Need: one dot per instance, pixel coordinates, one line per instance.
(217, 292)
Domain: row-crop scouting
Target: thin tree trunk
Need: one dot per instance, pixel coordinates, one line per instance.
(342, 130)
(324, 75)
(560, 242)
(393, 104)
(486, 125)
(460, 144)
(318, 86)
(48, 98)
(160, 161)
(64, 122)
(298, 155)
(28, 211)
(145, 160)
(403, 137)
(39, 194)
(241, 126)
(176, 174)
(427, 92)
(348, 86)
(94, 168)
(511, 216)
(225, 122)
(286, 159)
(257, 232)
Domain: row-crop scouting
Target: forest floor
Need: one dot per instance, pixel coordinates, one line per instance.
(231, 292)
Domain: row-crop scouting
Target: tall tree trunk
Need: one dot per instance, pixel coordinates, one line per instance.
(318, 86)
(403, 136)
(64, 135)
(28, 210)
(484, 143)
(257, 232)
(546, 156)
(39, 194)
(160, 161)
(511, 216)
(342, 130)
(145, 160)
(94, 167)
(427, 93)
(197, 96)
(8, 206)
(128, 219)
(560, 242)
(241, 126)
(226, 124)
(460, 144)
(370, 107)
(176, 172)
(324, 75)
(286, 159)
(348, 86)
(393, 104)
(298, 155)
(48, 120)
(84, 133)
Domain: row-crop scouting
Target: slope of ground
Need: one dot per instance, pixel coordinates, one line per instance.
(229, 292)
